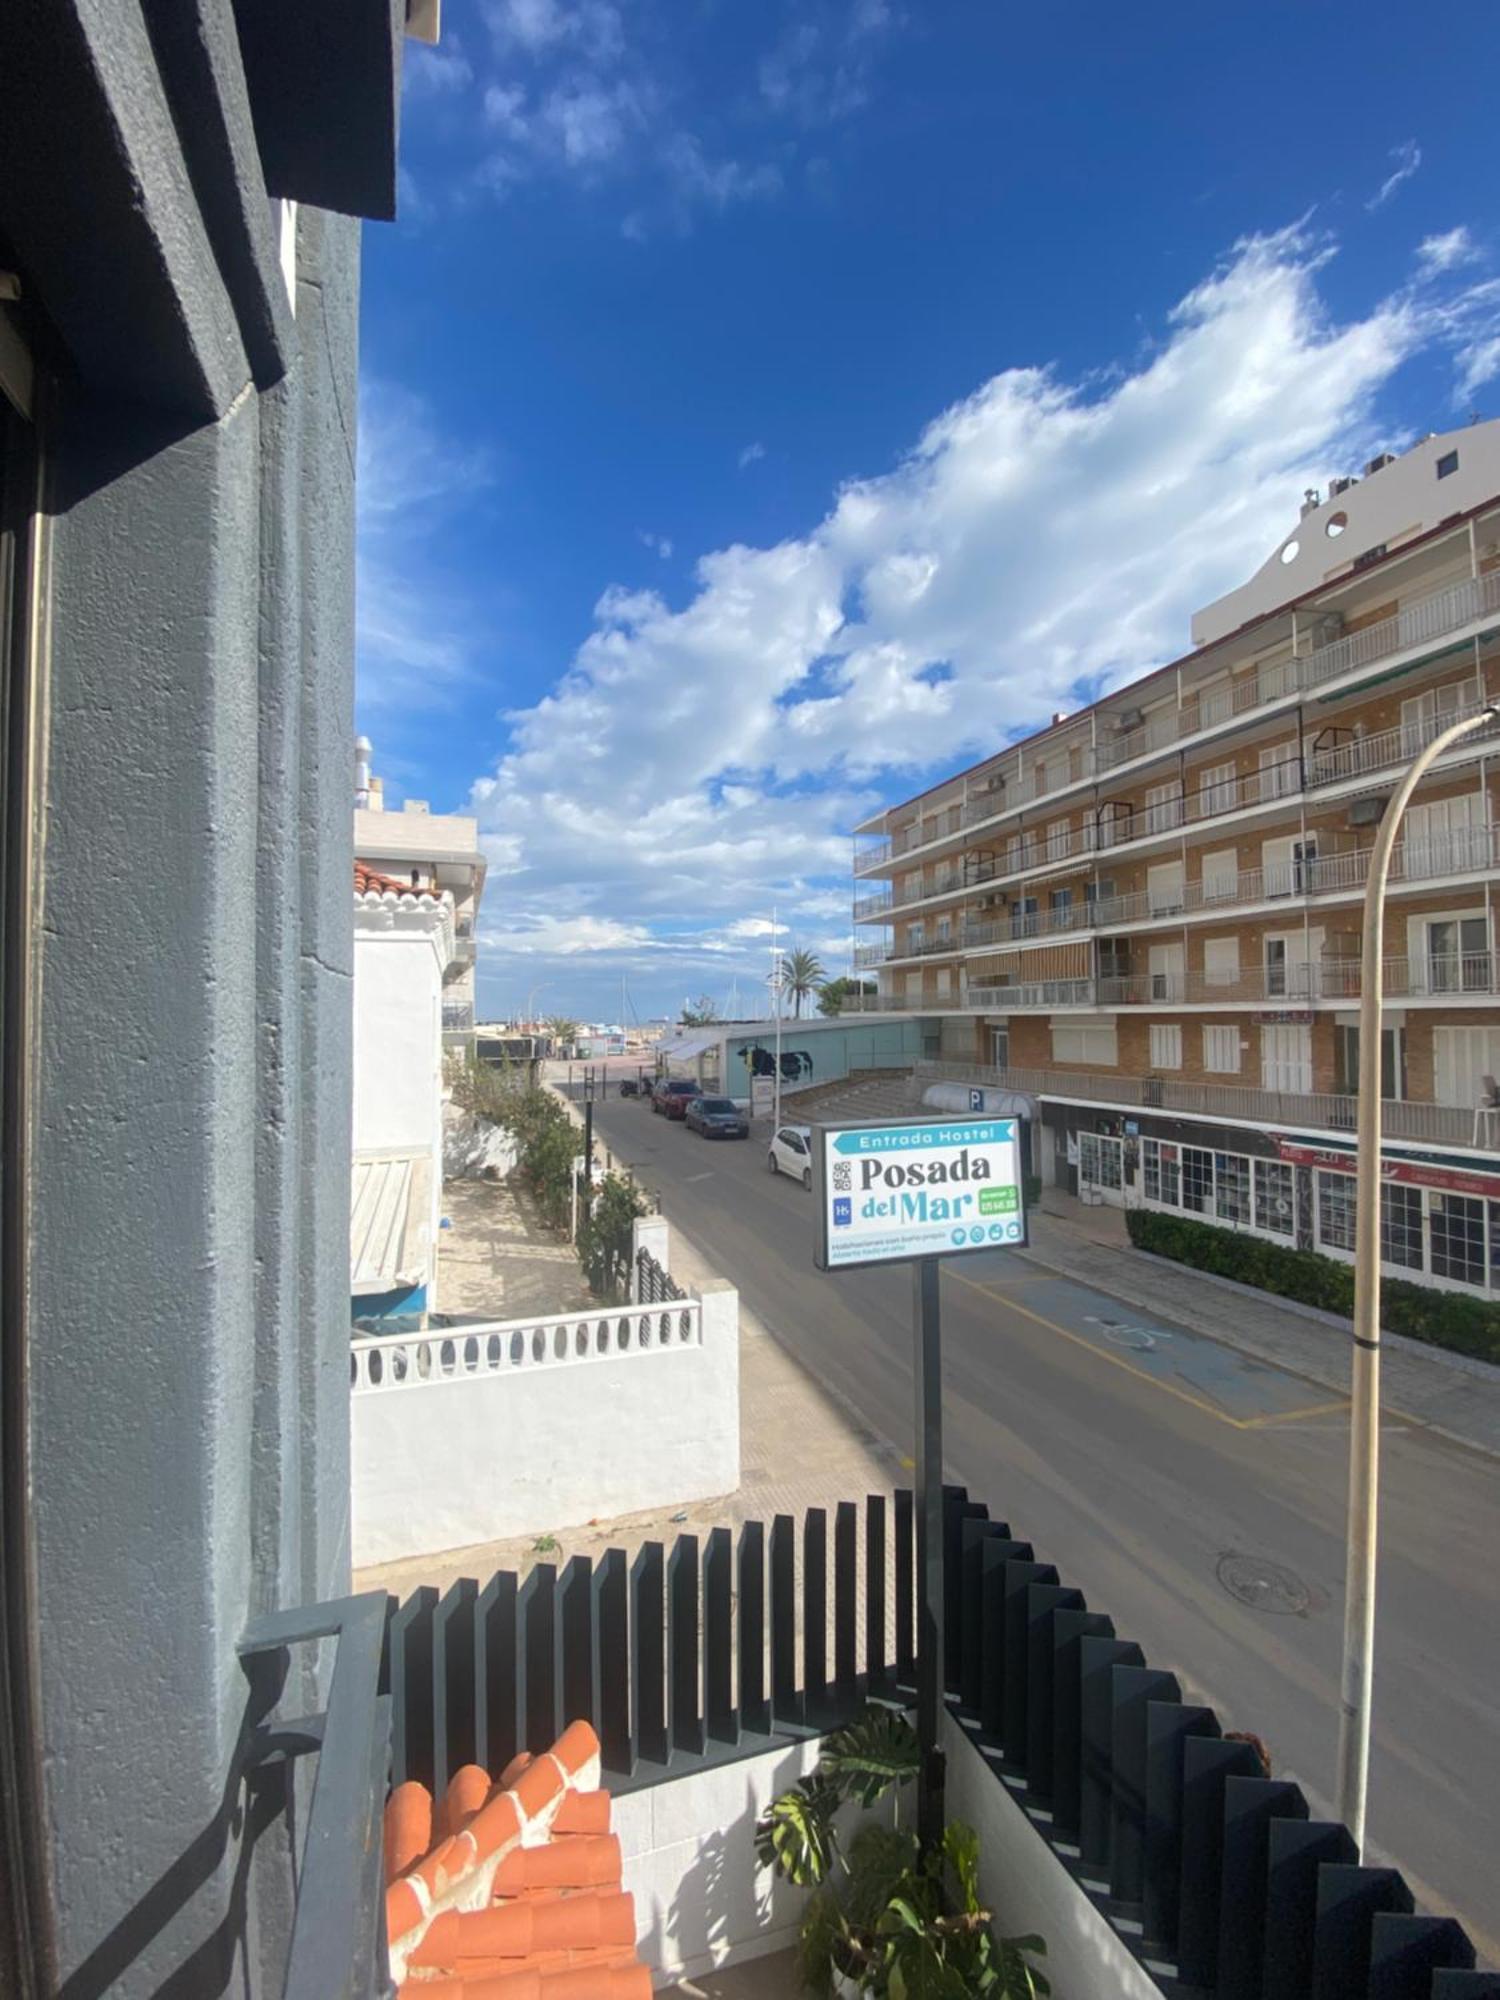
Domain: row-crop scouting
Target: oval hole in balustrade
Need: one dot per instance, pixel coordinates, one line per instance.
(624, 1335)
(353, 1369)
(471, 1355)
(580, 1338)
(518, 1348)
(685, 1327)
(448, 1357)
(539, 1345)
(424, 1360)
(375, 1366)
(644, 1339)
(493, 1351)
(560, 1343)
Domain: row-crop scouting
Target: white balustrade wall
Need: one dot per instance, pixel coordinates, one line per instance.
(481, 1433)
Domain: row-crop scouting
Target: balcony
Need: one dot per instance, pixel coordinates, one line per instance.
(1424, 619)
(458, 1019)
(872, 954)
(868, 860)
(873, 906)
(1308, 1111)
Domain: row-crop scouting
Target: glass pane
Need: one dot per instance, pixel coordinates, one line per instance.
(1197, 1179)
(1456, 1222)
(1274, 1197)
(1401, 1226)
(1336, 1210)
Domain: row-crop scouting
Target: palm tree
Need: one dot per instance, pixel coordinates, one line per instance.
(801, 974)
(563, 1030)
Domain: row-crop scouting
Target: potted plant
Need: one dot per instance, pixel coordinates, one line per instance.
(886, 1919)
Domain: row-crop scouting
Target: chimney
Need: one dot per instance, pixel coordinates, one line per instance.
(1311, 499)
(377, 795)
(362, 749)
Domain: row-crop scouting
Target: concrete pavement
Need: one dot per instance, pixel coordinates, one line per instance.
(1193, 1489)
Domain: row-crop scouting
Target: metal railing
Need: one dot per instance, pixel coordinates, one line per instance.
(1320, 1111)
(1425, 618)
(457, 1017)
(338, 1944)
(654, 1285)
(1447, 976)
(385, 1362)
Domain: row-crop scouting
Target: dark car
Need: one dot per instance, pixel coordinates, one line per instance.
(717, 1118)
(673, 1095)
(629, 1087)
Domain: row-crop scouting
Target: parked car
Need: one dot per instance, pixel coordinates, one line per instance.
(791, 1153)
(673, 1095)
(717, 1118)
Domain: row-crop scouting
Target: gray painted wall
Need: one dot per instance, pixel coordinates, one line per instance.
(193, 940)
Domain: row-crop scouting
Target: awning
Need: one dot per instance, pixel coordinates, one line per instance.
(389, 1236)
(689, 1049)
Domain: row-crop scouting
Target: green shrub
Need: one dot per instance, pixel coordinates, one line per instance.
(1442, 1319)
(604, 1239)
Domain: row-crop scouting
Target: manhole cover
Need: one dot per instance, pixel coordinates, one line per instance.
(1264, 1586)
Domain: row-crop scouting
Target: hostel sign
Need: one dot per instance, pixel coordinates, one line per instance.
(886, 1193)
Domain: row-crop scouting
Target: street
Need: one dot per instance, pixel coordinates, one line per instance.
(1195, 1494)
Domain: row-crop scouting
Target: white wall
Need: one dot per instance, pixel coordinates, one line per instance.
(688, 1848)
(553, 1443)
(398, 1043)
(1029, 1889)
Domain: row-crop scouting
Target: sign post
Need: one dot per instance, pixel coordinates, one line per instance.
(916, 1193)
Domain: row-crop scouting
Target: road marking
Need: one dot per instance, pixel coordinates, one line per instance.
(1294, 1416)
(698, 1177)
(1115, 1360)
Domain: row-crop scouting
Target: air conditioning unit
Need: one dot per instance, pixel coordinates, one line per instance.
(1338, 486)
(1367, 812)
(1378, 464)
(1129, 718)
(1327, 628)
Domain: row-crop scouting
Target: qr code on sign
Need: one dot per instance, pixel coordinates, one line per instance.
(843, 1176)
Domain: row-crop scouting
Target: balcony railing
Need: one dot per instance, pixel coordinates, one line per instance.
(457, 1018)
(1464, 850)
(1425, 618)
(1435, 1124)
(1445, 976)
(872, 857)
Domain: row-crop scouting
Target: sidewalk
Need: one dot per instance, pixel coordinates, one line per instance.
(1451, 1394)
(500, 1259)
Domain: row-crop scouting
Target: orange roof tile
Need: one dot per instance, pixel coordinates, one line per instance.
(370, 882)
(512, 1891)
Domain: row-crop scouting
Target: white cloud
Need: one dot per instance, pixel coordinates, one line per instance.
(820, 69)
(1408, 157)
(1477, 364)
(660, 545)
(1041, 540)
(751, 453)
(538, 27)
(411, 631)
(437, 72)
(1436, 254)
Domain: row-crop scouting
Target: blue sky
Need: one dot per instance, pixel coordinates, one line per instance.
(767, 409)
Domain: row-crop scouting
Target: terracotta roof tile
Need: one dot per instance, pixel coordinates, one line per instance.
(370, 882)
(512, 1891)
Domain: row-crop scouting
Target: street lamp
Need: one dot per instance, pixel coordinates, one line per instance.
(1357, 1676)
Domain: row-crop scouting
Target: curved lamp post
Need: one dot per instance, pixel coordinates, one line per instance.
(1364, 1415)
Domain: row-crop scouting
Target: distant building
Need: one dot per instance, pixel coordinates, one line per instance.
(403, 948)
(432, 852)
(1147, 917)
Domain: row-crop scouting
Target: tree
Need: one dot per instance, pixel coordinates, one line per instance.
(833, 994)
(801, 974)
(700, 1013)
(564, 1032)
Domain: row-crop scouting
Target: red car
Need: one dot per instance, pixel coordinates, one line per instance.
(673, 1095)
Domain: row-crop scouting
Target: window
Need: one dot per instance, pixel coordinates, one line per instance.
(1216, 788)
(1163, 1177)
(1287, 866)
(1274, 1198)
(1059, 840)
(1166, 1045)
(1231, 1187)
(1163, 807)
(1221, 962)
(1392, 1062)
(1100, 1160)
(1197, 1179)
(1445, 836)
(1280, 771)
(1164, 890)
(1164, 964)
(1286, 1057)
(1456, 1222)
(1457, 955)
(1000, 1047)
(1221, 875)
(1425, 714)
(1447, 464)
(1461, 1059)
(1084, 1042)
(944, 929)
(1023, 917)
(1401, 1225)
(1336, 1210)
(1060, 902)
(1221, 1049)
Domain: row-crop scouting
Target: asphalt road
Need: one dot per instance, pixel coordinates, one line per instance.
(1155, 1467)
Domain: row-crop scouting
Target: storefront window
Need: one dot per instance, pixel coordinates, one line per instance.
(1231, 1187)
(1401, 1226)
(1336, 1211)
(1456, 1222)
(1274, 1198)
(1197, 1179)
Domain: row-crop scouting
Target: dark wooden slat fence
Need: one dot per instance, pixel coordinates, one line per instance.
(706, 1651)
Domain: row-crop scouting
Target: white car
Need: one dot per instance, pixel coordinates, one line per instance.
(791, 1153)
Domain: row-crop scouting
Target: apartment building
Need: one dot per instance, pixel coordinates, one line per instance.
(433, 852)
(1147, 917)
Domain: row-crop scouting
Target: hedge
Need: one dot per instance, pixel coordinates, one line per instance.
(1442, 1319)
